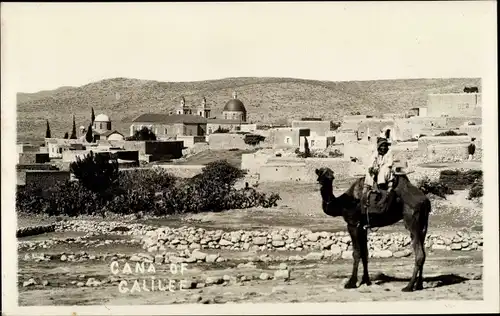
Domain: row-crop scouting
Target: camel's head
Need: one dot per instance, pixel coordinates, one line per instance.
(325, 175)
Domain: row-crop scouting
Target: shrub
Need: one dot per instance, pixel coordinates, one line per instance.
(477, 189)
(334, 125)
(458, 178)
(435, 187)
(335, 154)
(142, 135)
(221, 130)
(252, 139)
(96, 172)
(451, 133)
(153, 192)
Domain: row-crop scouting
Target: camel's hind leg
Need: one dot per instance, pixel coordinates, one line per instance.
(417, 224)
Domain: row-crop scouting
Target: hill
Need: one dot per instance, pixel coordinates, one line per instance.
(267, 100)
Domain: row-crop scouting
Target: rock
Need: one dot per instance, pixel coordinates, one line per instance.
(295, 258)
(314, 256)
(278, 290)
(188, 284)
(382, 254)
(159, 259)
(224, 242)
(402, 253)
(80, 284)
(199, 255)
(283, 266)
(64, 258)
(259, 241)
(30, 282)
(211, 258)
(195, 298)
(313, 236)
(45, 282)
(282, 275)
(93, 282)
(214, 280)
(336, 251)
(264, 276)
(195, 246)
(278, 243)
(347, 254)
(438, 247)
(456, 246)
(135, 258)
(327, 244)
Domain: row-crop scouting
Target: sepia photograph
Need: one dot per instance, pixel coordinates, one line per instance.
(243, 157)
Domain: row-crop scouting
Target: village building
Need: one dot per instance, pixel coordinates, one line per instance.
(194, 121)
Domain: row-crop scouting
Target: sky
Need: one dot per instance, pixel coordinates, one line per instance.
(72, 44)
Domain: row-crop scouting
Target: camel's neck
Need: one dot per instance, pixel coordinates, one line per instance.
(327, 193)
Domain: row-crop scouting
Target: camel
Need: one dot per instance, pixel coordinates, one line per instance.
(409, 204)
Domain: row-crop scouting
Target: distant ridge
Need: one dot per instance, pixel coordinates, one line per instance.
(266, 99)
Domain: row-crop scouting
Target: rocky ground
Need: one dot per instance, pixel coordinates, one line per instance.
(289, 254)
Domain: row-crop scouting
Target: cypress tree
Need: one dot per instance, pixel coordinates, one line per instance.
(66, 135)
(47, 131)
(73, 132)
(92, 116)
(88, 137)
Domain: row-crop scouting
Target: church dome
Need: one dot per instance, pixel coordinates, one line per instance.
(235, 105)
(102, 118)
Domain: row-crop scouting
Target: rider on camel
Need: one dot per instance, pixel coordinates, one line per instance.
(379, 173)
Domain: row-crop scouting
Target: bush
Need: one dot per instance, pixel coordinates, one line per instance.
(96, 172)
(142, 135)
(435, 187)
(451, 133)
(152, 192)
(460, 179)
(221, 130)
(477, 189)
(252, 139)
(335, 154)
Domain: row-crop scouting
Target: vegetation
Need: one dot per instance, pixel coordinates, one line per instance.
(461, 178)
(142, 135)
(334, 125)
(73, 131)
(221, 130)
(92, 116)
(435, 187)
(101, 189)
(477, 189)
(96, 172)
(252, 139)
(66, 136)
(270, 99)
(89, 136)
(47, 131)
(451, 133)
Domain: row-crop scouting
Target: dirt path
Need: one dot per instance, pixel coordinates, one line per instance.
(448, 275)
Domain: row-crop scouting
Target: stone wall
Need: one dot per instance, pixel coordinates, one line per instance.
(189, 141)
(317, 128)
(303, 170)
(343, 136)
(219, 141)
(322, 244)
(33, 157)
(45, 178)
(182, 171)
(472, 130)
(288, 137)
(453, 104)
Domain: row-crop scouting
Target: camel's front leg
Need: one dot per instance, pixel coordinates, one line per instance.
(356, 254)
(363, 247)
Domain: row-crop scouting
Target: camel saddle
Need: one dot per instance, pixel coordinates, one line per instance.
(378, 202)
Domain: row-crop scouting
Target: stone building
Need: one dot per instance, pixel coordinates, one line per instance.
(454, 104)
(195, 121)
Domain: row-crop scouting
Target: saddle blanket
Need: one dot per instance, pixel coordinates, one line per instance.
(374, 202)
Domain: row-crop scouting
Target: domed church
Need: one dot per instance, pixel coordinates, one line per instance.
(195, 120)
